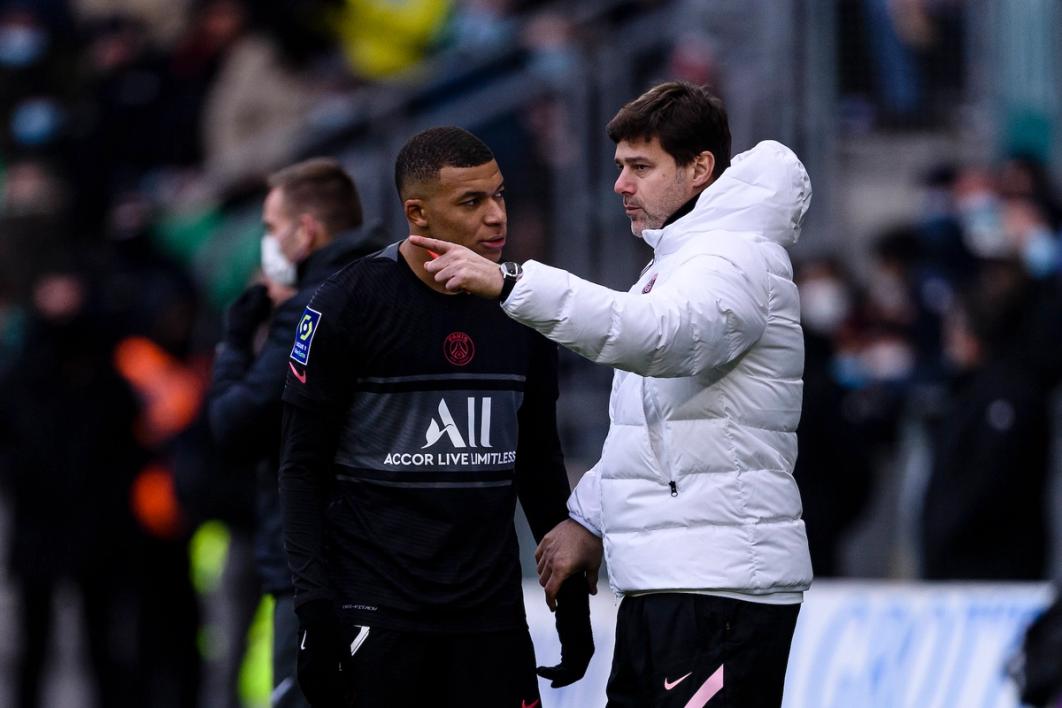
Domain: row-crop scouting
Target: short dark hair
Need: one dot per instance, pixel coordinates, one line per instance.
(427, 152)
(686, 118)
(323, 188)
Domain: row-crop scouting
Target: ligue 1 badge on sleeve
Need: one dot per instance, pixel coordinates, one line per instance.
(304, 335)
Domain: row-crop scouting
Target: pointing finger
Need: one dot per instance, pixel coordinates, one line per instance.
(430, 244)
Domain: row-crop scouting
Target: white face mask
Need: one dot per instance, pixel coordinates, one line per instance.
(824, 305)
(275, 265)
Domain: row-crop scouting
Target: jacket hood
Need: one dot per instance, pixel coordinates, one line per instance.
(345, 247)
(765, 189)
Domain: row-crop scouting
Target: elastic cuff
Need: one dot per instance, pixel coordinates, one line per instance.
(585, 524)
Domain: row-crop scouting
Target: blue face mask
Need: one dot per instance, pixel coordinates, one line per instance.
(36, 121)
(1040, 254)
(982, 221)
(21, 46)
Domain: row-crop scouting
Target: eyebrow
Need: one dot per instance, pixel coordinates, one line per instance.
(479, 193)
(633, 158)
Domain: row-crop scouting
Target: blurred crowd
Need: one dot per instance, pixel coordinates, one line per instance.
(955, 330)
(128, 126)
(127, 129)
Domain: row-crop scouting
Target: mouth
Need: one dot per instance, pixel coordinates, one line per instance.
(494, 244)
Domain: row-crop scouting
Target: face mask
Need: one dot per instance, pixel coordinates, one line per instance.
(275, 265)
(1040, 254)
(21, 46)
(982, 222)
(823, 305)
(36, 122)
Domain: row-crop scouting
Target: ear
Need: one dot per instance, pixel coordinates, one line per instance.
(310, 232)
(703, 166)
(416, 214)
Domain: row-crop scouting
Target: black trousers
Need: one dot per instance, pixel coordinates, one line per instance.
(392, 669)
(678, 650)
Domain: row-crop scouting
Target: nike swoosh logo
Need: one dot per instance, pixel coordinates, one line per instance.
(303, 645)
(668, 685)
(525, 704)
(301, 377)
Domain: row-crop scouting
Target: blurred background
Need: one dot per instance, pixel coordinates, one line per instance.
(134, 139)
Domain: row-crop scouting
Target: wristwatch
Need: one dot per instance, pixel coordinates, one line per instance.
(511, 272)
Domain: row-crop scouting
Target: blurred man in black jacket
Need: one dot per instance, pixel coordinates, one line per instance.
(314, 226)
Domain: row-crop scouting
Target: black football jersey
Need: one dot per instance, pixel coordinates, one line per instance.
(435, 411)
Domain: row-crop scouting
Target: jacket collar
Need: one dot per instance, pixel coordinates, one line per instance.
(653, 237)
(765, 191)
(345, 247)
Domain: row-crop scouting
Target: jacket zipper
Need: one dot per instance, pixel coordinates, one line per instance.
(674, 488)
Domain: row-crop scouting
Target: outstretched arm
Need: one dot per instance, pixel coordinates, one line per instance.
(706, 313)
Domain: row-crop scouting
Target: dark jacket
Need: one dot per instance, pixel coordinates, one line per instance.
(984, 516)
(244, 405)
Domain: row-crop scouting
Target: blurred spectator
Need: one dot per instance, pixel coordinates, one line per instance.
(116, 138)
(478, 27)
(35, 71)
(1025, 176)
(984, 515)
(191, 69)
(901, 61)
(313, 221)
(163, 19)
(147, 291)
(833, 469)
(382, 38)
(254, 112)
(68, 457)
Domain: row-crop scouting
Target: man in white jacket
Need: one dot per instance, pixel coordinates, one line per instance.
(693, 501)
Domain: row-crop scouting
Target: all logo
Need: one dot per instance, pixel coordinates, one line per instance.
(445, 425)
(458, 348)
(649, 286)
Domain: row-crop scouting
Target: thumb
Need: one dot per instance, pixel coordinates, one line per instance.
(591, 579)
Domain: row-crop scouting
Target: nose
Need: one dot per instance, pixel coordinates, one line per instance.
(496, 212)
(623, 184)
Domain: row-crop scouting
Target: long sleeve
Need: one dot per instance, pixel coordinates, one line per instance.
(584, 505)
(244, 404)
(541, 477)
(316, 397)
(309, 441)
(704, 314)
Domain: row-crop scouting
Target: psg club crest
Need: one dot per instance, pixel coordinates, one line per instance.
(649, 286)
(458, 348)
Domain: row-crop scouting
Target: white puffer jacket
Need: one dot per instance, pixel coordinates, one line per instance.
(694, 489)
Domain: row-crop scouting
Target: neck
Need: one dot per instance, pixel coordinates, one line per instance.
(683, 210)
(416, 257)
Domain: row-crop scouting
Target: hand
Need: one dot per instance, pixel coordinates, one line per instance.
(249, 310)
(318, 666)
(461, 269)
(573, 628)
(564, 551)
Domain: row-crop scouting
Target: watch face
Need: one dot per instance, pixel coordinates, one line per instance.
(510, 269)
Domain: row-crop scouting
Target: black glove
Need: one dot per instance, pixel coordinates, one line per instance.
(573, 628)
(320, 655)
(249, 310)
